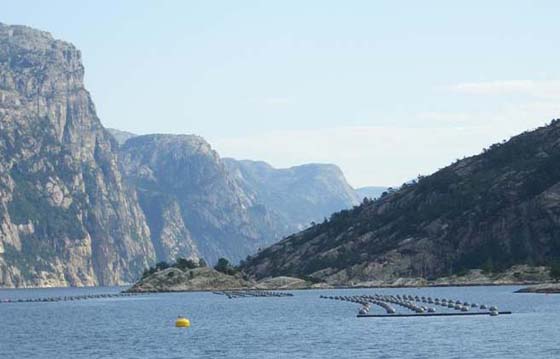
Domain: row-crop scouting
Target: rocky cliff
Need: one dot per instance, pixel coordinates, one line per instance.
(66, 217)
(490, 211)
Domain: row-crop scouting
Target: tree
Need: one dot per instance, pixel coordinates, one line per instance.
(224, 266)
(555, 271)
(202, 263)
(183, 264)
(162, 265)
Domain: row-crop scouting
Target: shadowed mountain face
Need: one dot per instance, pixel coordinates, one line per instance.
(66, 217)
(489, 211)
(296, 196)
(199, 205)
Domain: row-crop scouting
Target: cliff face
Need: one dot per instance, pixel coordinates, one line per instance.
(66, 217)
(184, 186)
(490, 211)
(296, 196)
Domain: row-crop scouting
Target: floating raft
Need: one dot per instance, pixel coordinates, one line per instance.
(415, 306)
(424, 315)
(69, 298)
(231, 294)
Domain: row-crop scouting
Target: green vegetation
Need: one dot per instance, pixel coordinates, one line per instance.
(555, 271)
(180, 263)
(225, 267)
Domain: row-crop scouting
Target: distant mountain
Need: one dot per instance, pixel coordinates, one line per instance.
(371, 192)
(121, 136)
(296, 196)
(489, 211)
(193, 205)
(66, 217)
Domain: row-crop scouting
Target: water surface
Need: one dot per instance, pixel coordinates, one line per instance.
(302, 326)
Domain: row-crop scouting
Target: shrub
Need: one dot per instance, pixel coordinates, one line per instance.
(225, 267)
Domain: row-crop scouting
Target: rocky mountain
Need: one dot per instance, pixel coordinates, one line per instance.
(66, 216)
(295, 196)
(489, 211)
(371, 192)
(193, 206)
(121, 136)
(77, 208)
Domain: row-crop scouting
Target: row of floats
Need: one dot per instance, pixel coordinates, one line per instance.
(231, 294)
(68, 298)
(416, 305)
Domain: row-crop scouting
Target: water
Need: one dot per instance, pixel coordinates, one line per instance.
(302, 326)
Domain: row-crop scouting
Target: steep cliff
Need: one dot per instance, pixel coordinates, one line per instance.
(490, 211)
(183, 184)
(66, 217)
(296, 196)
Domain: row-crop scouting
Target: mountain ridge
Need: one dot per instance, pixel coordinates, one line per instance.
(492, 210)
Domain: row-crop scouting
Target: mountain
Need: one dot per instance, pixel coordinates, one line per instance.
(66, 216)
(371, 192)
(78, 208)
(490, 211)
(121, 136)
(193, 206)
(295, 196)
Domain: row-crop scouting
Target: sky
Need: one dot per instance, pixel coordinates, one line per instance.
(387, 90)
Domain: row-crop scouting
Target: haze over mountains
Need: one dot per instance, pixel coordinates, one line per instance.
(77, 208)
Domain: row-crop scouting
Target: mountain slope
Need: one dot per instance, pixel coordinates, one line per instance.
(212, 216)
(66, 217)
(297, 195)
(493, 210)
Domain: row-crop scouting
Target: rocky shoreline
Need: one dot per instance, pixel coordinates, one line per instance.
(208, 279)
(545, 288)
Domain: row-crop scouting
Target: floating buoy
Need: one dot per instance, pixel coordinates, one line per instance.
(182, 322)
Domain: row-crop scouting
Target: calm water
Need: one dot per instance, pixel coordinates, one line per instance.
(302, 326)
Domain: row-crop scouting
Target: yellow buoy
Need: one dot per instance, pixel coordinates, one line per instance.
(182, 322)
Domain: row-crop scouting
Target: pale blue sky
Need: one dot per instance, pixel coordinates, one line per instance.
(384, 89)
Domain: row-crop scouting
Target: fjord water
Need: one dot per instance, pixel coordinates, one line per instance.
(302, 326)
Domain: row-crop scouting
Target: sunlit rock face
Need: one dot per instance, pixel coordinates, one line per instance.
(66, 216)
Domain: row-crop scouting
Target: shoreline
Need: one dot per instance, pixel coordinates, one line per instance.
(327, 286)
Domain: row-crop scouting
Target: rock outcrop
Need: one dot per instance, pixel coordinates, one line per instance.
(490, 211)
(197, 279)
(548, 288)
(66, 217)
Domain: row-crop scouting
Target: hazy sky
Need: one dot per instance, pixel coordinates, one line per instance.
(385, 89)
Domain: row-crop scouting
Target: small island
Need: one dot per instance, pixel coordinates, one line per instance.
(196, 275)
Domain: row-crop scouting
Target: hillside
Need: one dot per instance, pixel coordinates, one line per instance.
(489, 211)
